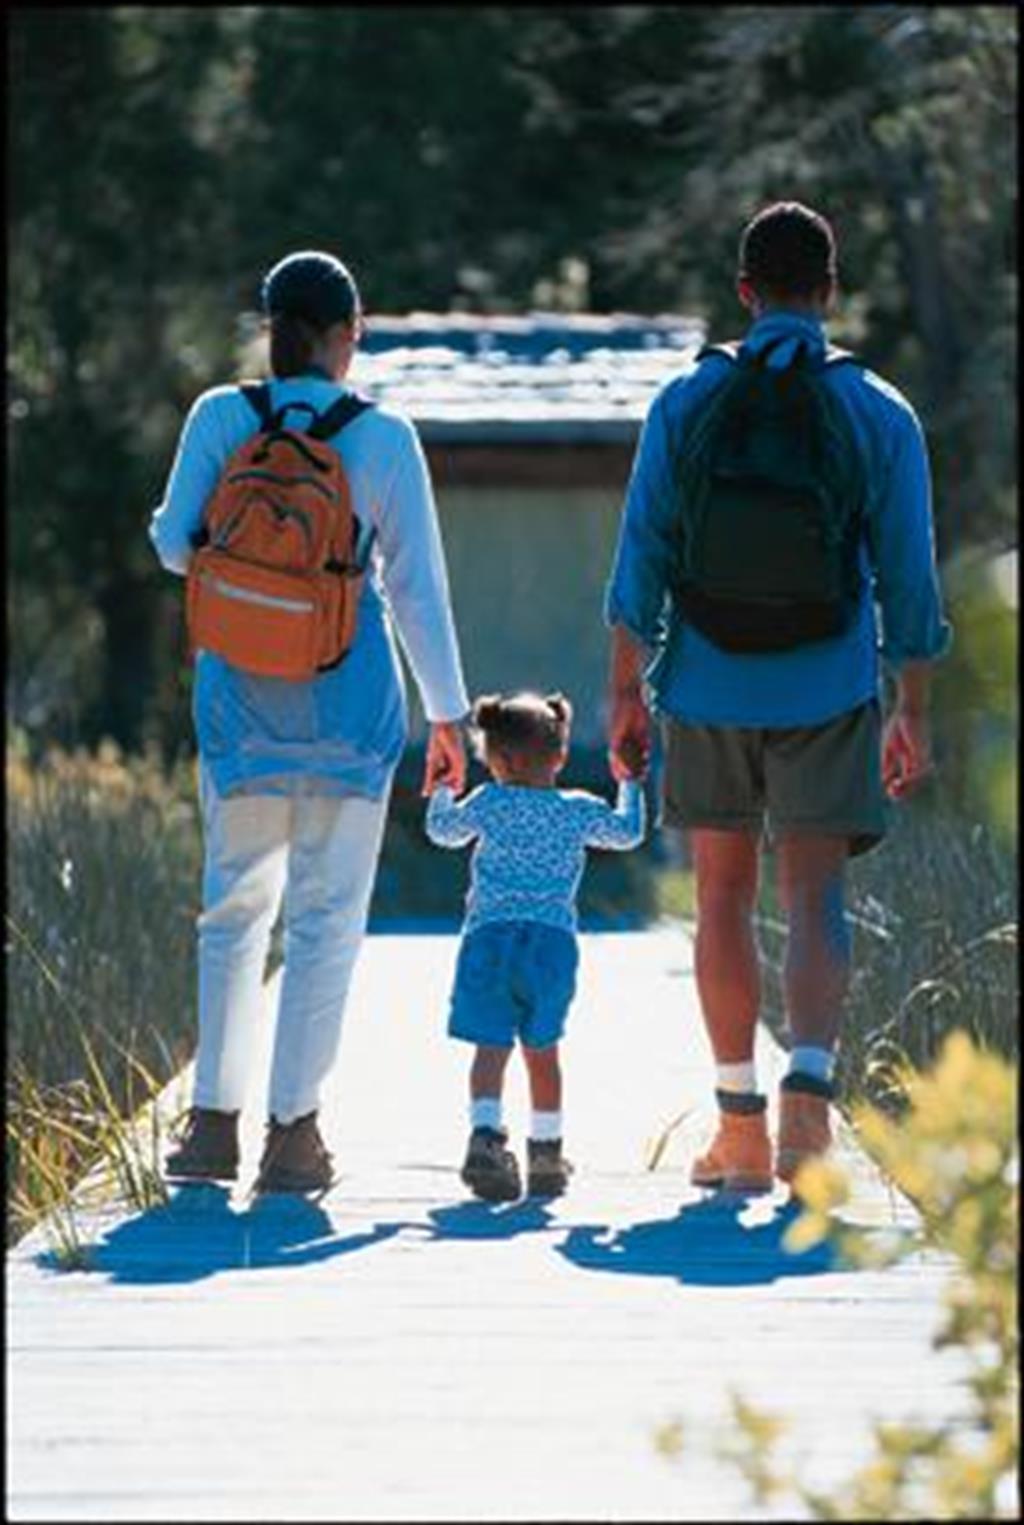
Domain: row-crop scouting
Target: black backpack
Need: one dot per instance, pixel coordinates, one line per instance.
(771, 506)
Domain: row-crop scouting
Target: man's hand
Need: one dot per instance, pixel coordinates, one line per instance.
(446, 758)
(907, 736)
(629, 735)
(906, 751)
(629, 720)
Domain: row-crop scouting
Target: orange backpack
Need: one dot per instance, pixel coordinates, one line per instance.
(274, 586)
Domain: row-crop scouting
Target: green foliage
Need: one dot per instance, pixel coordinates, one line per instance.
(976, 690)
(955, 1155)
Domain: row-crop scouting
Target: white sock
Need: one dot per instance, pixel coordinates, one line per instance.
(545, 1125)
(805, 1059)
(741, 1078)
(485, 1112)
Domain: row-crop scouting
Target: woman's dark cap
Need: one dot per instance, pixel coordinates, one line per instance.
(313, 286)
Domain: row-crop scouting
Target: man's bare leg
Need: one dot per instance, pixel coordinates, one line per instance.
(726, 961)
(816, 977)
(816, 972)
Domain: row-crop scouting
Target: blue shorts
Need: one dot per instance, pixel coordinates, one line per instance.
(513, 979)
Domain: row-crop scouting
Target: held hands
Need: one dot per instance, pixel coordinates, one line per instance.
(629, 735)
(906, 751)
(446, 758)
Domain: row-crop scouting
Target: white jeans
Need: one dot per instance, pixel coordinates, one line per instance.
(321, 854)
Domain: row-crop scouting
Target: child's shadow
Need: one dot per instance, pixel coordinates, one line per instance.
(705, 1244)
(199, 1233)
(487, 1220)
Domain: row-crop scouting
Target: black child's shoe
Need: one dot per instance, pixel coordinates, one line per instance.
(548, 1169)
(207, 1149)
(491, 1170)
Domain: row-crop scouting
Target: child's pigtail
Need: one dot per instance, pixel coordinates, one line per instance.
(560, 707)
(487, 712)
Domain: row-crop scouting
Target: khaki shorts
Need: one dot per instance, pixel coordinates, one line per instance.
(821, 779)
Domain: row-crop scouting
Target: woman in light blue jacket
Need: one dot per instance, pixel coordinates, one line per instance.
(295, 775)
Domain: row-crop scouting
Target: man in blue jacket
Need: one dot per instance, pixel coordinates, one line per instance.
(784, 747)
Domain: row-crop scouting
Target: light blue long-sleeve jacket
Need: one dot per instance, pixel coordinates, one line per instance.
(343, 731)
(695, 681)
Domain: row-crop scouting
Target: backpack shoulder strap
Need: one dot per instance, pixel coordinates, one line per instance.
(836, 356)
(257, 395)
(729, 349)
(338, 415)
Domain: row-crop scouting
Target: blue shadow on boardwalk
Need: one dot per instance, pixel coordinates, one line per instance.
(705, 1244)
(483, 1220)
(201, 1233)
(198, 1236)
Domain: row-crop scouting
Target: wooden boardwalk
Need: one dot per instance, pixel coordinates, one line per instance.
(402, 1353)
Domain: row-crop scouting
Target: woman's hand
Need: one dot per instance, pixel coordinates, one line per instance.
(446, 758)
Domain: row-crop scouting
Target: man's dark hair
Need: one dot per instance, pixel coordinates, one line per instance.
(787, 250)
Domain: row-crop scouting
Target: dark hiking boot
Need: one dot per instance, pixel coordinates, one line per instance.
(295, 1157)
(207, 1149)
(548, 1169)
(491, 1170)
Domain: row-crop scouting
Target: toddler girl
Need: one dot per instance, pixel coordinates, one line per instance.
(516, 972)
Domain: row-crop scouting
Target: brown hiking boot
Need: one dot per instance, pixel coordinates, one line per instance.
(740, 1155)
(804, 1128)
(208, 1147)
(295, 1157)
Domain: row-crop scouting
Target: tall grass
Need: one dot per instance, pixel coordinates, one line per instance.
(103, 885)
(933, 913)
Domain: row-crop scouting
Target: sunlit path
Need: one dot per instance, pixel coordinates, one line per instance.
(402, 1353)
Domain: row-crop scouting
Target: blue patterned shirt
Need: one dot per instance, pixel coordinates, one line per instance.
(531, 845)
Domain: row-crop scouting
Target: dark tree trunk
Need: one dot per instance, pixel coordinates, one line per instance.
(127, 607)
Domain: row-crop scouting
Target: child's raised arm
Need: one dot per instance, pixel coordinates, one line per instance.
(621, 827)
(450, 822)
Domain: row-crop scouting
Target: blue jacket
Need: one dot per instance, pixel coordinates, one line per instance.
(900, 616)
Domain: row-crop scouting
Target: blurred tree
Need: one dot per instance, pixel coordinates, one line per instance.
(897, 122)
(114, 215)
